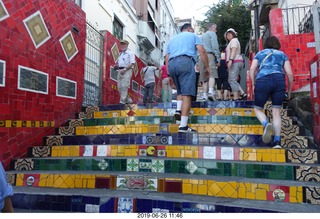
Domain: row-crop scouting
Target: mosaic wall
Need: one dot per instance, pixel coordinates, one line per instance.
(33, 58)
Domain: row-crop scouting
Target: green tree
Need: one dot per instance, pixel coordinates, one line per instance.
(230, 14)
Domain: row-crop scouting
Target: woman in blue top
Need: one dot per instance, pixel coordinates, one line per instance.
(269, 81)
(5, 192)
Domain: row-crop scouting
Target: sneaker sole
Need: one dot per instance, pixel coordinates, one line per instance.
(266, 137)
(277, 147)
(186, 131)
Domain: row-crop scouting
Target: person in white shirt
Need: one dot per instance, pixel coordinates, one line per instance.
(149, 82)
(124, 66)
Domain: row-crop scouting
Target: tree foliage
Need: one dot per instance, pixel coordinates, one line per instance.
(230, 14)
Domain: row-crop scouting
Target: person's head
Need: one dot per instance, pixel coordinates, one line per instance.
(186, 27)
(124, 45)
(272, 43)
(230, 34)
(212, 27)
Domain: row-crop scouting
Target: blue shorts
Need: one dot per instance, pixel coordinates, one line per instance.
(273, 86)
(181, 70)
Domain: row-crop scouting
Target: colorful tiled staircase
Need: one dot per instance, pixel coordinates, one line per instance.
(130, 158)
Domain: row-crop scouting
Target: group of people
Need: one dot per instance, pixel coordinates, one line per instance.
(267, 73)
(190, 58)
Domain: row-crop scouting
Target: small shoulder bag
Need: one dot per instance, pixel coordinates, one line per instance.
(265, 58)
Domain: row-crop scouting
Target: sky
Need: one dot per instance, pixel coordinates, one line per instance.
(192, 8)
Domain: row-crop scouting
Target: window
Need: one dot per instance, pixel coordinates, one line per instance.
(117, 29)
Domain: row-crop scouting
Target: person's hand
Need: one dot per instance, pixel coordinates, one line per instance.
(229, 64)
(218, 64)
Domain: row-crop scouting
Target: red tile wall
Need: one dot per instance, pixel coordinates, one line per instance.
(17, 48)
(110, 94)
(295, 47)
(315, 98)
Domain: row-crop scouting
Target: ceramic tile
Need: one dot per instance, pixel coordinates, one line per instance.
(209, 152)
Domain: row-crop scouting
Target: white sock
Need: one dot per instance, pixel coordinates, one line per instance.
(179, 104)
(211, 90)
(184, 121)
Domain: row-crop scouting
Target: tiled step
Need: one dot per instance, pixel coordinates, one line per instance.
(187, 139)
(201, 167)
(215, 153)
(224, 187)
(30, 199)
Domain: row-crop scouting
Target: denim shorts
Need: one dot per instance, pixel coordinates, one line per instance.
(273, 86)
(182, 72)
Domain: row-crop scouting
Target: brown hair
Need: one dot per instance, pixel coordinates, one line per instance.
(272, 43)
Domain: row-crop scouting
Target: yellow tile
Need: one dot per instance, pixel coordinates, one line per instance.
(293, 191)
(127, 152)
(299, 188)
(49, 181)
(261, 194)
(180, 147)
(176, 153)
(281, 158)
(250, 195)
(259, 156)
(266, 157)
(222, 194)
(264, 186)
(195, 154)
(293, 199)
(19, 179)
(114, 153)
(252, 156)
(43, 180)
(121, 149)
(169, 153)
(242, 193)
(195, 189)
(91, 183)
(187, 188)
(194, 181)
(214, 189)
(188, 154)
(299, 197)
(253, 187)
(58, 181)
(202, 189)
(78, 183)
(69, 181)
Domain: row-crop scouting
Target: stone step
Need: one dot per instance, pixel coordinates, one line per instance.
(214, 186)
(51, 200)
(214, 153)
(201, 167)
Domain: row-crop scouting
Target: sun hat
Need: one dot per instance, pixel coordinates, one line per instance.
(232, 30)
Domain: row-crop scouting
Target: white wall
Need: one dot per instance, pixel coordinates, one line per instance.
(101, 13)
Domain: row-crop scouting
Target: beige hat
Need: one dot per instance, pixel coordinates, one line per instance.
(124, 41)
(232, 30)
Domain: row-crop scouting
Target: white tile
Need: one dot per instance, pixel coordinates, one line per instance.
(102, 150)
(89, 208)
(88, 151)
(227, 153)
(95, 208)
(209, 152)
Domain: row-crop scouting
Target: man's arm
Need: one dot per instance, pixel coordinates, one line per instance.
(215, 46)
(7, 205)
(204, 57)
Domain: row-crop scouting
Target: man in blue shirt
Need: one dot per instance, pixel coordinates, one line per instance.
(181, 58)
(5, 192)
